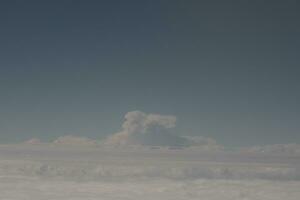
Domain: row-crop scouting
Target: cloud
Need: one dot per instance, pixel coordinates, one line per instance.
(74, 140)
(140, 128)
(98, 165)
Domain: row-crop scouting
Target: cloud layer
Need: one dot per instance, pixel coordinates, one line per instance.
(39, 172)
(154, 130)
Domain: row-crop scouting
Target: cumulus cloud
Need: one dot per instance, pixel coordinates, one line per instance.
(74, 140)
(140, 128)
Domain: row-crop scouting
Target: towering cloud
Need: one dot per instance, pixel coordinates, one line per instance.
(147, 129)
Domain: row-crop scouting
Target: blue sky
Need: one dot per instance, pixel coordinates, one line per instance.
(227, 70)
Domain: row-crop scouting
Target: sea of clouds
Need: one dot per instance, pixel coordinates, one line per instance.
(32, 189)
(41, 172)
(144, 160)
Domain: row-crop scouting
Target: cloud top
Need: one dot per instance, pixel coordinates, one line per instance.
(140, 128)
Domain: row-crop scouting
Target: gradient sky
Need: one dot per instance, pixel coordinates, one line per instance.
(227, 69)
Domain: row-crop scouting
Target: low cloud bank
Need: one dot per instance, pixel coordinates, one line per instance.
(124, 169)
(65, 140)
(290, 149)
(74, 140)
(19, 189)
(141, 130)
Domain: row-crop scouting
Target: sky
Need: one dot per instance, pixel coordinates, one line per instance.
(226, 69)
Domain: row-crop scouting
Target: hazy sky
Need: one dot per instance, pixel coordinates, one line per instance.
(227, 69)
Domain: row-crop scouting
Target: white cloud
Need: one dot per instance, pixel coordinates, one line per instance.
(140, 128)
(101, 164)
(60, 174)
